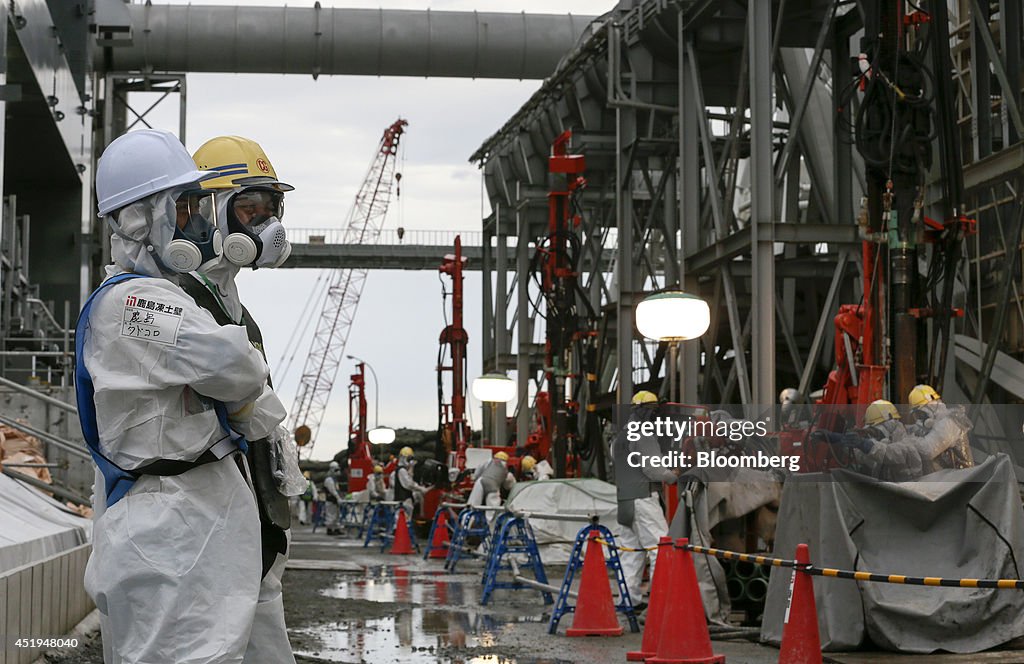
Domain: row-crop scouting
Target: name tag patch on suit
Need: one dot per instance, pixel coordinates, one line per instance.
(150, 321)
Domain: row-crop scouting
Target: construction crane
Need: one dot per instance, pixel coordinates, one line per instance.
(328, 344)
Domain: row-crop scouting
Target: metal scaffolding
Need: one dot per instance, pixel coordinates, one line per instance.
(720, 160)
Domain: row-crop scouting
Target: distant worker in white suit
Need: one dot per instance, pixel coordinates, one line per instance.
(489, 480)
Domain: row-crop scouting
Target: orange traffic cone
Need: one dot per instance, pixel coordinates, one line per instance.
(800, 641)
(684, 635)
(400, 542)
(439, 544)
(656, 608)
(595, 611)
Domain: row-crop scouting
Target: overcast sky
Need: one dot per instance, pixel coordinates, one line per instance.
(321, 136)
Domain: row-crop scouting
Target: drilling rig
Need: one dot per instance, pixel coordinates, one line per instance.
(452, 428)
(882, 347)
(360, 461)
(569, 348)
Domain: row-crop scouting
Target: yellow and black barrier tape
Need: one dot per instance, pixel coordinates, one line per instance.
(624, 548)
(742, 557)
(1004, 584)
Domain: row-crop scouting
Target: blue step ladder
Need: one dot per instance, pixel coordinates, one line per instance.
(472, 523)
(360, 522)
(381, 524)
(452, 518)
(513, 536)
(318, 511)
(611, 561)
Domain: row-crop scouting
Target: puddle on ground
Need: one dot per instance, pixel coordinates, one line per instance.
(434, 627)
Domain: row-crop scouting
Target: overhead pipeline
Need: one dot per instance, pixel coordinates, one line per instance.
(328, 41)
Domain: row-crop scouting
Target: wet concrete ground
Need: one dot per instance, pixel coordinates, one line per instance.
(347, 604)
(380, 608)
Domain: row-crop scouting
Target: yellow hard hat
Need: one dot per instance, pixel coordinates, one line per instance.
(502, 456)
(378, 469)
(528, 462)
(306, 474)
(240, 162)
(879, 411)
(922, 394)
(406, 451)
(644, 396)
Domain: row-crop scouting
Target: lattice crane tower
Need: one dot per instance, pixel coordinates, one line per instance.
(327, 348)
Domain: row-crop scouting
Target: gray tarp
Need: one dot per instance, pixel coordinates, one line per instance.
(713, 502)
(953, 523)
(34, 526)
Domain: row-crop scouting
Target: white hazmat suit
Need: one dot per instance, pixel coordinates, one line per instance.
(175, 567)
(269, 639)
(488, 481)
(639, 510)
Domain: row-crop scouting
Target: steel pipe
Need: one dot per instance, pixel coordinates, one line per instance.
(39, 484)
(757, 589)
(66, 445)
(323, 40)
(38, 395)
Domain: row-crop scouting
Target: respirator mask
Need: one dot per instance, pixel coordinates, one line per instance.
(257, 237)
(196, 238)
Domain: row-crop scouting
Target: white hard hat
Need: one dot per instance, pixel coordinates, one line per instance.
(141, 163)
(334, 466)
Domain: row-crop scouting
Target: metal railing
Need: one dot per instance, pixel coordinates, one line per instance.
(430, 238)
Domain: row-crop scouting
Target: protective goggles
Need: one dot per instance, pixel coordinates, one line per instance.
(256, 205)
(196, 216)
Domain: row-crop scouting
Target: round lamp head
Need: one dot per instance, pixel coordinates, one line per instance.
(672, 316)
(496, 388)
(381, 435)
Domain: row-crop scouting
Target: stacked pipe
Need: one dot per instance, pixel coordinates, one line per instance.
(746, 583)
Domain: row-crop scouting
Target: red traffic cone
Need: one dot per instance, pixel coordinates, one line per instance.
(400, 542)
(438, 545)
(656, 608)
(595, 611)
(800, 641)
(684, 635)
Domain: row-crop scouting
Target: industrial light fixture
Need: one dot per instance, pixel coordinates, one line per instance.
(494, 387)
(381, 435)
(672, 317)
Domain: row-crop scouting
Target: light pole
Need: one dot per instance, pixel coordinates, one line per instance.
(672, 317)
(494, 388)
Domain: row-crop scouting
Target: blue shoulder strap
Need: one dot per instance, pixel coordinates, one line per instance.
(117, 480)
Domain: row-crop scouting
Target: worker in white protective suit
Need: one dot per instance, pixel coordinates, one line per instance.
(536, 470)
(890, 451)
(306, 500)
(489, 480)
(407, 490)
(334, 498)
(376, 489)
(939, 429)
(249, 202)
(636, 487)
(163, 392)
